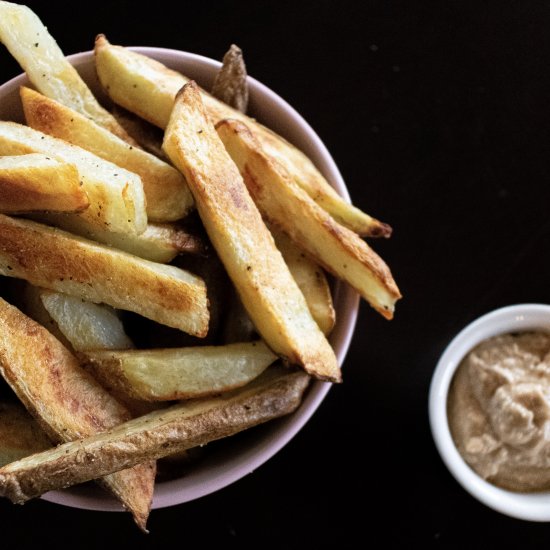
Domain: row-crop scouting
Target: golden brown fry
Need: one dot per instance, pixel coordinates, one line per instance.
(117, 201)
(166, 191)
(168, 239)
(50, 258)
(160, 242)
(230, 85)
(304, 173)
(148, 88)
(136, 82)
(29, 41)
(287, 206)
(67, 402)
(180, 373)
(310, 278)
(34, 182)
(158, 434)
(20, 434)
(243, 243)
(44, 375)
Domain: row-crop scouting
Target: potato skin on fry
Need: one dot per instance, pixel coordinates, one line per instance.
(242, 241)
(230, 85)
(158, 434)
(57, 392)
(20, 434)
(35, 182)
(67, 402)
(50, 258)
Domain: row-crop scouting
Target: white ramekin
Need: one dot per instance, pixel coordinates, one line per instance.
(516, 318)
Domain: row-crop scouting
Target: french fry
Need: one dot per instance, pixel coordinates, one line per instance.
(50, 258)
(84, 326)
(230, 85)
(160, 242)
(310, 279)
(148, 88)
(166, 191)
(180, 373)
(29, 41)
(117, 201)
(243, 243)
(158, 434)
(34, 182)
(136, 82)
(66, 401)
(287, 206)
(304, 173)
(20, 434)
(87, 326)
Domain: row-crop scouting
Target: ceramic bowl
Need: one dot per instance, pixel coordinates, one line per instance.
(233, 459)
(516, 318)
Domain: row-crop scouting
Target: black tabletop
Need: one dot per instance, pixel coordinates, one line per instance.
(437, 116)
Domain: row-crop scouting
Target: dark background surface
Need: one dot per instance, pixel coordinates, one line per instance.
(437, 116)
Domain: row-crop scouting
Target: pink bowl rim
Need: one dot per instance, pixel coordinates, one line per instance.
(346, 300)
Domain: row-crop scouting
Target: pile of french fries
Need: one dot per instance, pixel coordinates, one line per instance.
(93, 235)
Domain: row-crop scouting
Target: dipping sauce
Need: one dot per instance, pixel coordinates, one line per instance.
(499, 411)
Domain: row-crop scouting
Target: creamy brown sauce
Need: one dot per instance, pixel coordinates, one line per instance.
(499, 411)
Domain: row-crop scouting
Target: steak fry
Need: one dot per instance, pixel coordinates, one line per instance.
(155, 435)
(67, 402)
(243, 242)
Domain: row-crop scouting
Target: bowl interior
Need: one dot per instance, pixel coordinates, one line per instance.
(235, 457)
(517, 318)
